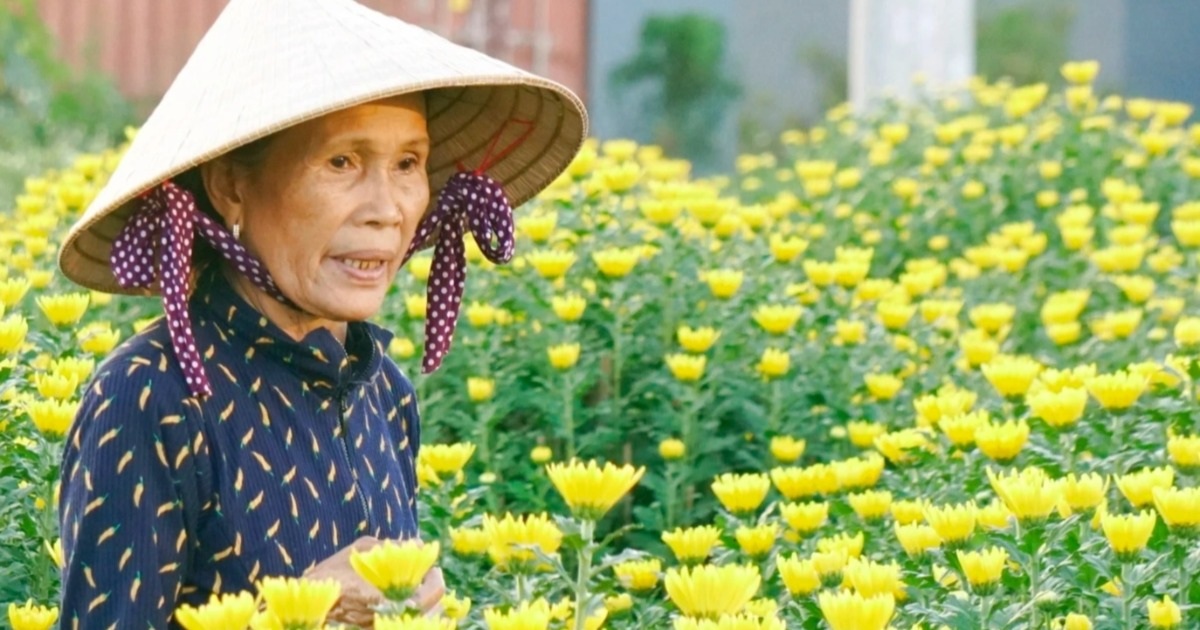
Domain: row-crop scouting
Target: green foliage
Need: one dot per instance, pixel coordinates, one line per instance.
(48, 112)
(682, 61)
(1025, 42)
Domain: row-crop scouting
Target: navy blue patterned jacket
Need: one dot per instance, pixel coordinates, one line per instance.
(302, 448)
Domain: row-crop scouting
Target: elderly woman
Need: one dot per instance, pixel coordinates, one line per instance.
(306, 150)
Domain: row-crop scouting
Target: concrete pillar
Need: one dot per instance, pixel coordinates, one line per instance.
(893, 40)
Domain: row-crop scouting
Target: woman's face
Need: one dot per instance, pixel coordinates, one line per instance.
(334, 204)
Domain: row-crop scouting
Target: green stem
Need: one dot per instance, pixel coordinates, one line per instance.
(1181, 559)
(671, 479)
(569, 416)
(987, 611)
(1035, 574)
(1064, 440)
(482, 441)
(1127, 591)
(689, 452)
(776, 402)
(522, 593)
(587, 531)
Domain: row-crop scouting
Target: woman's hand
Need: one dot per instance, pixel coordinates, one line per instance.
(358, 598)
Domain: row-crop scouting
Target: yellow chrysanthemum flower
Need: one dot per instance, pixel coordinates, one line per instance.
(510, 536)
(869, 578)
(883, 386)
(1002, 442)
(1164, 613)
(467, 541)
(983, 569)
(222, 611)
(1184, 451)
(1059, 409)
(723, 283)
(741, 494)
(916, 539)
(57, 386)
(1029, 494)
(299, 602)
(1083, 492)
(804, 518)
(672, 449)
(535, 615)
(709, 591)
(590, 490)
(12, 333)
(794, 482)
(786, 449)
(757, 541)
(954, 523)
(1011, 376)
(30, 616)
(843, 542)
(64, 310)
(687, 368)
(848, 610)
(1076, 621)
(1128, 534)
(568, 308)
(696, 340)
(480, 389)
(616, 262)
(396, 568)
(774, 363)
(1138, 487)
(446, 459)
(1119, 390)
(13, 290)
(563, 356)
(1179, 508)
(52, 417)
(551, 263)
(777, 319)
(800, 577)
(692, 545)
(638, 575)
(870, 505)
(898, 446)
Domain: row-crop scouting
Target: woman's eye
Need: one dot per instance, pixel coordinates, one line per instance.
(339, 161)
(408, 164)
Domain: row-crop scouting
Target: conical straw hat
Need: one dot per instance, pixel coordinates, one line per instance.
(266, 65)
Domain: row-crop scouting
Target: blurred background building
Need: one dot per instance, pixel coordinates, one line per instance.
(706, 78)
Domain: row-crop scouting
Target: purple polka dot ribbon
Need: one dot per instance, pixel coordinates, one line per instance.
(155, 246)
(469, 200)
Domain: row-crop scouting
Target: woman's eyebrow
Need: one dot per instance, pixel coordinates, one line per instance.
(370, 144)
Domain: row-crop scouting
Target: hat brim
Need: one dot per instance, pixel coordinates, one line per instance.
(463, 116)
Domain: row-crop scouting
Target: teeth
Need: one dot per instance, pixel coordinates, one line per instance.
(361, 264)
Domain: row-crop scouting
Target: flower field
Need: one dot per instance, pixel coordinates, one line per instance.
(933, 366)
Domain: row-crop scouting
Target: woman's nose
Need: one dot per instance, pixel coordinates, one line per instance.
(383, 203)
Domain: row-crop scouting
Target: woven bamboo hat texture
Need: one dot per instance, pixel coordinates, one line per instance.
(266, 65)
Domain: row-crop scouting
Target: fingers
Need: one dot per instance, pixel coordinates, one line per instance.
(429, 595)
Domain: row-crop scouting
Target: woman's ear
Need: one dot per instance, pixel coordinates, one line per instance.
(223, 182)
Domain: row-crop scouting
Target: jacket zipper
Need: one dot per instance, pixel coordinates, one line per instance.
(343, 404)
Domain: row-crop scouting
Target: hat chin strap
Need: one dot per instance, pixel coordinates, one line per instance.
(163, 226)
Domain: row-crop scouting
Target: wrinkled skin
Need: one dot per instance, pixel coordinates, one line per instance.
(347, 188)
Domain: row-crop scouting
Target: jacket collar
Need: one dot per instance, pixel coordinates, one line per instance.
(318, 359)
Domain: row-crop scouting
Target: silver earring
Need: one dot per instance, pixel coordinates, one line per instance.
(237, 231)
